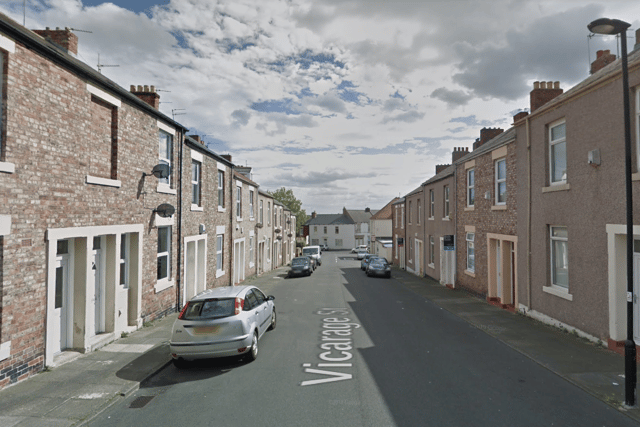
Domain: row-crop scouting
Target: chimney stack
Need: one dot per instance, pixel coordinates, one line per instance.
(487, 134)
(196, 138)
(147, 94)
(313, 214)
(603, 58)
(64, 39)
(637, 45)
(227, 156)
(458, 153)
(440, 168)
(542, 93)
(521, 115)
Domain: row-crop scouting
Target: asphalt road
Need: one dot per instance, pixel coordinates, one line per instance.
(355, 351)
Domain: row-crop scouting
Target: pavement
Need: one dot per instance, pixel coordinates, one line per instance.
(82, 386)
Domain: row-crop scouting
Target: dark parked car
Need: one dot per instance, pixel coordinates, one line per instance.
(378, 267)
(300, 266)
(365, 261)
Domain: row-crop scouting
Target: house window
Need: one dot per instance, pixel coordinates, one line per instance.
(432, 204)
(261, 211)
(239, 202)
(471, 253)
(402, 218)
(337, 230)
(446, 201)
(250, 249)
(559, 257)
(220, 189)
(501, 182)
(268, 246)
(409, 220)
(124, 264)
(103, 131)
(164, 253)
(558, 153)
(315, 228)
(251, 204)
(396, 218)
(432, 250)
(2, 142)
(471, 187)
(637, 122)
(165, 154)
(269, 213)
(314, 242)
(325, 229)
(419, 211)
(196, 183)
(219, 253)
(338, 243)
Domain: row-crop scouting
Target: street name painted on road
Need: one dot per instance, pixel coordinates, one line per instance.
(337, 342)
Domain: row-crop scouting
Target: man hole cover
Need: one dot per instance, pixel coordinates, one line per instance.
(140, 402)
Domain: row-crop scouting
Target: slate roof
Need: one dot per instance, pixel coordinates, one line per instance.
(386, 212)
(360, 216)
(329, 219)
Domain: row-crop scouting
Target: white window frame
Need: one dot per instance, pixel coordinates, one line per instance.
(409, 212)
(471, 252)
(251, 251)
(325, 230)
(637, 97)
(402, 218)
(261, 211)
(268, 246)
(196, 184)
(554, 240)
(239, 202)
(432, 204)
(220, 190)
(500, 181)
(396, 218)
(553, 143)
(219, 254)
(315, 228)
(419, 205)
(471, 187)
(432, 250)
(268, 214)
(165, 160)
(337, 229)
(165, 254)
(251, 195)
(445, 195)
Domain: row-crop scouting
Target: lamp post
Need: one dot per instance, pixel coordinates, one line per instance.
(611, 27)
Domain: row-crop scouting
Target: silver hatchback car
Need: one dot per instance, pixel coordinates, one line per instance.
(221, 322)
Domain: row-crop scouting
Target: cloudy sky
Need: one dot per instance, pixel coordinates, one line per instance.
(346, 102)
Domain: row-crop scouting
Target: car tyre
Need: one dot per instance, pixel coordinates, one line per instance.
(253, 352)
(179, 363)
(272, 326)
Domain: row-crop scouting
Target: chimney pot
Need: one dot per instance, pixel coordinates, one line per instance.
(536, 85)
(132, 88)
(139, 88)
(146, 88)
(152, 88)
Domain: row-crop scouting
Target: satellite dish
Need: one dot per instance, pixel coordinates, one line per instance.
(161, 171)
(165, 210)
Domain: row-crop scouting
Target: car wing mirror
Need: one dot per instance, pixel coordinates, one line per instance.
(270, 298)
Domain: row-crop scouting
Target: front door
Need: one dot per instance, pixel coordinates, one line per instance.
(636, 289)
(418, 257)
(498, 270)
(61, 310)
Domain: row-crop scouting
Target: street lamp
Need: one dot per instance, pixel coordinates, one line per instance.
(611, 27)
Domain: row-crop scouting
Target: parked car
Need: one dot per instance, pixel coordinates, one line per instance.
(361, 253)
(224, 321)
(378, 267)
(324, 247)
(300, 266)
(314, 263)
(314, 252)
(365, 261)
(359, 247)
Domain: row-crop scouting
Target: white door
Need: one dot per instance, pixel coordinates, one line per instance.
(636, 303)
(60, 328)
(418, 257)
(190, 272)
(99, 291)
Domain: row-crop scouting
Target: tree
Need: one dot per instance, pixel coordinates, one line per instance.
(289, 200)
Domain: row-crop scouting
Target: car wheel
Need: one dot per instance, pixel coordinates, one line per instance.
(273, 320)
(253, 353)
(180, 363)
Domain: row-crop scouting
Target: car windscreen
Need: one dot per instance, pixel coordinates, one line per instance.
(298, 261)
(309, 251)
(210, 309)
(377, 264)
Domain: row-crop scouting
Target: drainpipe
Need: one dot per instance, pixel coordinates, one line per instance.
(231, 227)
(179, 255)
(528, 133)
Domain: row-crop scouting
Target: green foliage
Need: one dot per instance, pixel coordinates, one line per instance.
(289, 200)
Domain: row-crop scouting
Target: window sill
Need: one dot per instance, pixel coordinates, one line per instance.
(635, 176)
(251, 265)
(5, 350)
(103, 181)
(7, 167)
(196, 208)
(238, 219)
(431, 266)
(470, 208)
(163, 284)
(558, 187)
(446, 218)
(431, 218)
(221, 209)
(499, 208)
(219, 273)
(165, 189)
(558, 291)
(470, 273)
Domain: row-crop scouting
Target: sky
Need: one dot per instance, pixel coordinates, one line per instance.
(349, 103)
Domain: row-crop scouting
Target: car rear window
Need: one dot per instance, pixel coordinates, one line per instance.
(310, 251)
(210, 309)
(298, 261)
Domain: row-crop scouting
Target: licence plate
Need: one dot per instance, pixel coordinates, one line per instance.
(206, 330)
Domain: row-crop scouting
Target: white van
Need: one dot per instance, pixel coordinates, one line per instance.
(314, 252)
